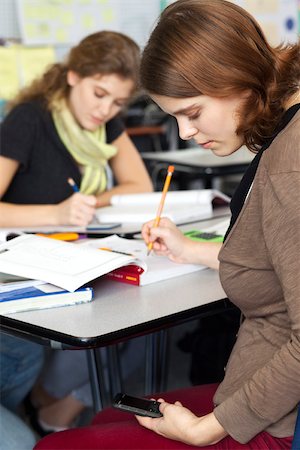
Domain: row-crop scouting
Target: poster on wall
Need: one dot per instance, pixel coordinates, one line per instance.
(278, 18)
(65, 22)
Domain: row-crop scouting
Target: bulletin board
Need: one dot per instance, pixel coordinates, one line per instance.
(61, 22)
(20, 65)
(280, 19)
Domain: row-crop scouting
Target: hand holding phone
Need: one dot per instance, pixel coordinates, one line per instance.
(137, 405)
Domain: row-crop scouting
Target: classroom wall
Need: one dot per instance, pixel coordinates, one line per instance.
(47, 28)
(64, 22)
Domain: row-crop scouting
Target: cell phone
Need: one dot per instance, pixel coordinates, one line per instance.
(137, 405)
(102, 226)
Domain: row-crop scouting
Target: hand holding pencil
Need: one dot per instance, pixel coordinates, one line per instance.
(78, 209)
(162, 202)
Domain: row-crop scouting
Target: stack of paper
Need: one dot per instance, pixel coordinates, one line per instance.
(63, 264)
(70, 266)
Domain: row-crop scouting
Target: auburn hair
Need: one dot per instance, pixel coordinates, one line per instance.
(216, 48)
(101, 53)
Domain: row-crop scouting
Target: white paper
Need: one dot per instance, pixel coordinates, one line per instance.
(158, 267)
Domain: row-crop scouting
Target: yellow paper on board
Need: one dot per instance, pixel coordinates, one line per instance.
(34, 61)
(9, 76)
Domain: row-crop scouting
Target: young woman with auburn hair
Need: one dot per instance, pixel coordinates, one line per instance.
(208, 64)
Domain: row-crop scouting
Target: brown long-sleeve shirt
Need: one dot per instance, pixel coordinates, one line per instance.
(260, 272)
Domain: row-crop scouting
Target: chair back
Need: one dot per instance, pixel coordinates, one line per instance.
(296, 439)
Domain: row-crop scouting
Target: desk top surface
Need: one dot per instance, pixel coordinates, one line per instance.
(119, 310)
(124, 230)
(198, 157)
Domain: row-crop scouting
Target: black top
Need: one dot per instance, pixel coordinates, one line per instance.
(29, 136)
(242, 190)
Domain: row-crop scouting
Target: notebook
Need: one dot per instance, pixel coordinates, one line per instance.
(180, 206)
(42, 296)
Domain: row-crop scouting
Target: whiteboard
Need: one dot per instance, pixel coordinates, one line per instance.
(65, 22)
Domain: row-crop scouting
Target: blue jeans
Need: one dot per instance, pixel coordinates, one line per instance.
(20, 364)
(15, 434)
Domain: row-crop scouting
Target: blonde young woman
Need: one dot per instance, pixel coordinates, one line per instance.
(65, 125)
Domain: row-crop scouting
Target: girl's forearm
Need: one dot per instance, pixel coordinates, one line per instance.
(12, 215)
(205, 253)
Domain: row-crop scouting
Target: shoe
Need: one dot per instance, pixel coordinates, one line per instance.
(41, 427)
(38, 427)
(29, 408)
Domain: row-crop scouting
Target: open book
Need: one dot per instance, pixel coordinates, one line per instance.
(70, 266)
(154, 268)
(179, 206)
(63, 264)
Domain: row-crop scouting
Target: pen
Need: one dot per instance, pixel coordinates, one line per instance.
(73, 185)
(76, 189)
(114, 251)
(162, 202)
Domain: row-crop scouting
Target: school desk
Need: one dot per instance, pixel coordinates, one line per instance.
(126, 230)
(120, 312)
(197, 163)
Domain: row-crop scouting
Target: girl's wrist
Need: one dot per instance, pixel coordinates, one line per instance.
(206, 430)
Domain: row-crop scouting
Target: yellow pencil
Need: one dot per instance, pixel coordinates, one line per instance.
(162, 202)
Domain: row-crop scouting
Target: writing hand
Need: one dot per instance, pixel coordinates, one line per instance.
(167, 240)
(78, 209)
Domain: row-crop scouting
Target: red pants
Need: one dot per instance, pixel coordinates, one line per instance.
(112, 429)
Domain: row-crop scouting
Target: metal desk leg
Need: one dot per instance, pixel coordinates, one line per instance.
(164, 360)
(150, 362)
(96, 378)
(114, 369)
(156, 362)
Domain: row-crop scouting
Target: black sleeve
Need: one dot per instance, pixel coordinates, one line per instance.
(114, 128)
(18, 131)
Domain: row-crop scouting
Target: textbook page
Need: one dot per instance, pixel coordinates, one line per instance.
(158, 267)
(63, 264)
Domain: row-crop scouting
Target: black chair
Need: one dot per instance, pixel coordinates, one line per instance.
(296, 440)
